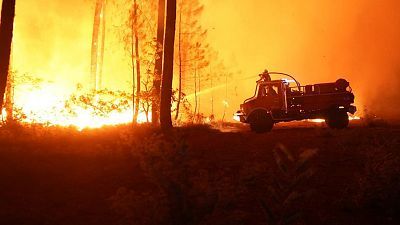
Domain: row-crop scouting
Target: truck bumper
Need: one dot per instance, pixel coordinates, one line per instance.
(240, 117)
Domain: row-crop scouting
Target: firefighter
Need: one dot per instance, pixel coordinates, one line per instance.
(271, 91)
(265, 76)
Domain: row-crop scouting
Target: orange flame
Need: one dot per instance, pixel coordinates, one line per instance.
(46, 106)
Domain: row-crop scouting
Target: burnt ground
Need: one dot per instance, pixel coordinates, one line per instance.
(300, 173)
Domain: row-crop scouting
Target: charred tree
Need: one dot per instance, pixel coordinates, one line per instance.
(103, 39)
(9, 95)
(137, 58)
(166, 83)
(97, 54)
(134, 118)
(9, 99)
(6, 36)
(212, 94)
(180, 66)
(158, 70)
(95, 38)
(195, 94)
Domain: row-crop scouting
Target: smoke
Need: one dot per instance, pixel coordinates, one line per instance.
(377, 45)
(52, 41)
(317, 41)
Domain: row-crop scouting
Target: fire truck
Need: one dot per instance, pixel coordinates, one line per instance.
(285, 100)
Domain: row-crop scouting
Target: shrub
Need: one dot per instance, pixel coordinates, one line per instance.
(286, 191)
(183, 196)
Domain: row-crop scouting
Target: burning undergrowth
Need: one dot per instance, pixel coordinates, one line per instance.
(35, 101)
(43, 104)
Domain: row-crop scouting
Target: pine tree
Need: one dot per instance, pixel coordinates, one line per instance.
(158, 68)
(97, 52)
(137, 58)
(166, 82)
(192, 50)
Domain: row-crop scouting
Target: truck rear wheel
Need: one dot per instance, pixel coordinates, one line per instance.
(337, 120)
(261, 122)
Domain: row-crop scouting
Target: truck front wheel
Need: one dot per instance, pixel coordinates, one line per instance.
(337, 120)
(261, 121)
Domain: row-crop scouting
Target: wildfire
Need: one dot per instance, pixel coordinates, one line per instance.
(43, 106)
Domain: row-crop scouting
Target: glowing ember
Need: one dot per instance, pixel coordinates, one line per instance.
(322, 120)
(317, 120)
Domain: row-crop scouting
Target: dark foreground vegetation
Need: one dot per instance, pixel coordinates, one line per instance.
(198, 175)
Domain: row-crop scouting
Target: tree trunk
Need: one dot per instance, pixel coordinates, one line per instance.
(134, 116)
(199, 79)
(199, 76)
(226, 97)
(103, 40)
(212, 94)
(9, 103)
(6, 36)
(137, 57)
(168, 71)
(147, 115)
(195, 94)
(180, 67)
(158, 70)
(95, 65)
(199, 107)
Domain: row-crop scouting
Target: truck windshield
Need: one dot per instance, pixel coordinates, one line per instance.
(268, 90)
